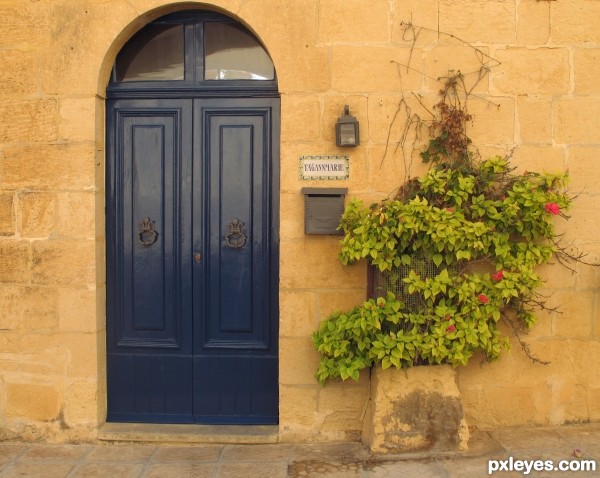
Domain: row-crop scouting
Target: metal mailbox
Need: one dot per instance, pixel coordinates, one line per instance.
(323, 209)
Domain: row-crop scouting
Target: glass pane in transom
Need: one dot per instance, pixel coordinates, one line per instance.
(232, 53)
(155, 53)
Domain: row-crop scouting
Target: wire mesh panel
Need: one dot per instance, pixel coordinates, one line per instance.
(393, 281)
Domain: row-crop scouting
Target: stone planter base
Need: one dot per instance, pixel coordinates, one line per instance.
(413, 410)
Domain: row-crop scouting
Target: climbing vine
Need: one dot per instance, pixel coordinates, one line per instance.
(457, 250)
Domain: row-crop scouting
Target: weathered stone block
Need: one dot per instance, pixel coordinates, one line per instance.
(77, 310)
(333, 301)
(298, 313)
(570, 115)
(443, 61)
(297, 408)
(7, 214)
(420, 13)
(298, 361)
(352, 69)
(27, 308)
(291, 221)
(303, 70)
(17, 72)
(415, 409)
(14, 261)
(32, 401)
(493, 121)
(24, 24)
(81, 403)
(76, 215)
(64, 262)
(82, 352)
(524, 71)
(306, 112)
(38, 214)
(541, 158)
(584, 176)
(586, 67)
(575, 317)
(478, 20)
(568, 25)
(533, 22)
(44, 167)
(30, 120)
(339, 23)
(354, 397)
(535, 120)
(320, 265)
(77, 119)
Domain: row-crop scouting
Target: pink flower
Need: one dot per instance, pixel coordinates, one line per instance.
(483, 298)
(498, 275)
(553, 208)
(450, 329)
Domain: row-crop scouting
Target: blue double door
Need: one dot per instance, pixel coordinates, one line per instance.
(192, 260)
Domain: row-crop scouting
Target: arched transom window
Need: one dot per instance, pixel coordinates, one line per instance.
(193, 48)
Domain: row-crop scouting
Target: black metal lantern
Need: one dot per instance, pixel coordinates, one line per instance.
(346, 130)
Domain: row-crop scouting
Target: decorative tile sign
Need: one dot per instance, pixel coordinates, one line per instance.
(324, 167)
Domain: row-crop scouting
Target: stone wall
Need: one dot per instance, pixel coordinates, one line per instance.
(541, 99)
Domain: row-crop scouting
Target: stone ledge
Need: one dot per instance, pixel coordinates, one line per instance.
(147, 432)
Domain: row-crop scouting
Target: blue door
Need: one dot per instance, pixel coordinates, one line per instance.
(192, 260)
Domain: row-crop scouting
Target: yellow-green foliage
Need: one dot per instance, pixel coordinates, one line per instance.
(452, 217)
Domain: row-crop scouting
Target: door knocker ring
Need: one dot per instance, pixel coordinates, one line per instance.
(147, 234)
(236, 237)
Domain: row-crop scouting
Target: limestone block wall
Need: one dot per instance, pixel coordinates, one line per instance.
(539, 99)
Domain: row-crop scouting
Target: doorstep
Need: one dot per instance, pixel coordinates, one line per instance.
(166, 433)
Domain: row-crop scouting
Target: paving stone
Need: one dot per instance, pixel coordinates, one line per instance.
(187, 454)
(104, 470)
(252, 470)
(121, 453)
(47, 470)
(71, 453)
(254, 453)
(177, 470)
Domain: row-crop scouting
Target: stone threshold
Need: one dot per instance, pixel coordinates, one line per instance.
(167, 433)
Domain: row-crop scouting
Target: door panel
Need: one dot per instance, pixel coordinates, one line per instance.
(149, 326)
(234, 306)
(191, 277)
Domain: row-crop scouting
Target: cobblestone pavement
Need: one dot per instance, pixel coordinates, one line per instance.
(540, 447)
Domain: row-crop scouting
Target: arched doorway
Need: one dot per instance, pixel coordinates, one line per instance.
(192, 225)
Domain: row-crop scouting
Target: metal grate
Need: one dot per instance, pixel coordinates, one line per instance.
(392, 281)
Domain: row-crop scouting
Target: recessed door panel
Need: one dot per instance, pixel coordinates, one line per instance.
(237, 213)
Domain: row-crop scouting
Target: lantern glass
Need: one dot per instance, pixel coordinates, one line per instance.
(347, 134)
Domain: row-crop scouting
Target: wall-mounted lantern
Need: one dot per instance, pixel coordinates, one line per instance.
(346, 130)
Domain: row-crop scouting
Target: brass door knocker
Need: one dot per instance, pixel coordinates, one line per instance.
(147, 234)
(236, 237)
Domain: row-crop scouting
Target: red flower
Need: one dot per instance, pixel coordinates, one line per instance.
(450, 329)
(450, 209)
(498, 275)
(483, 298)
(553, 208)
